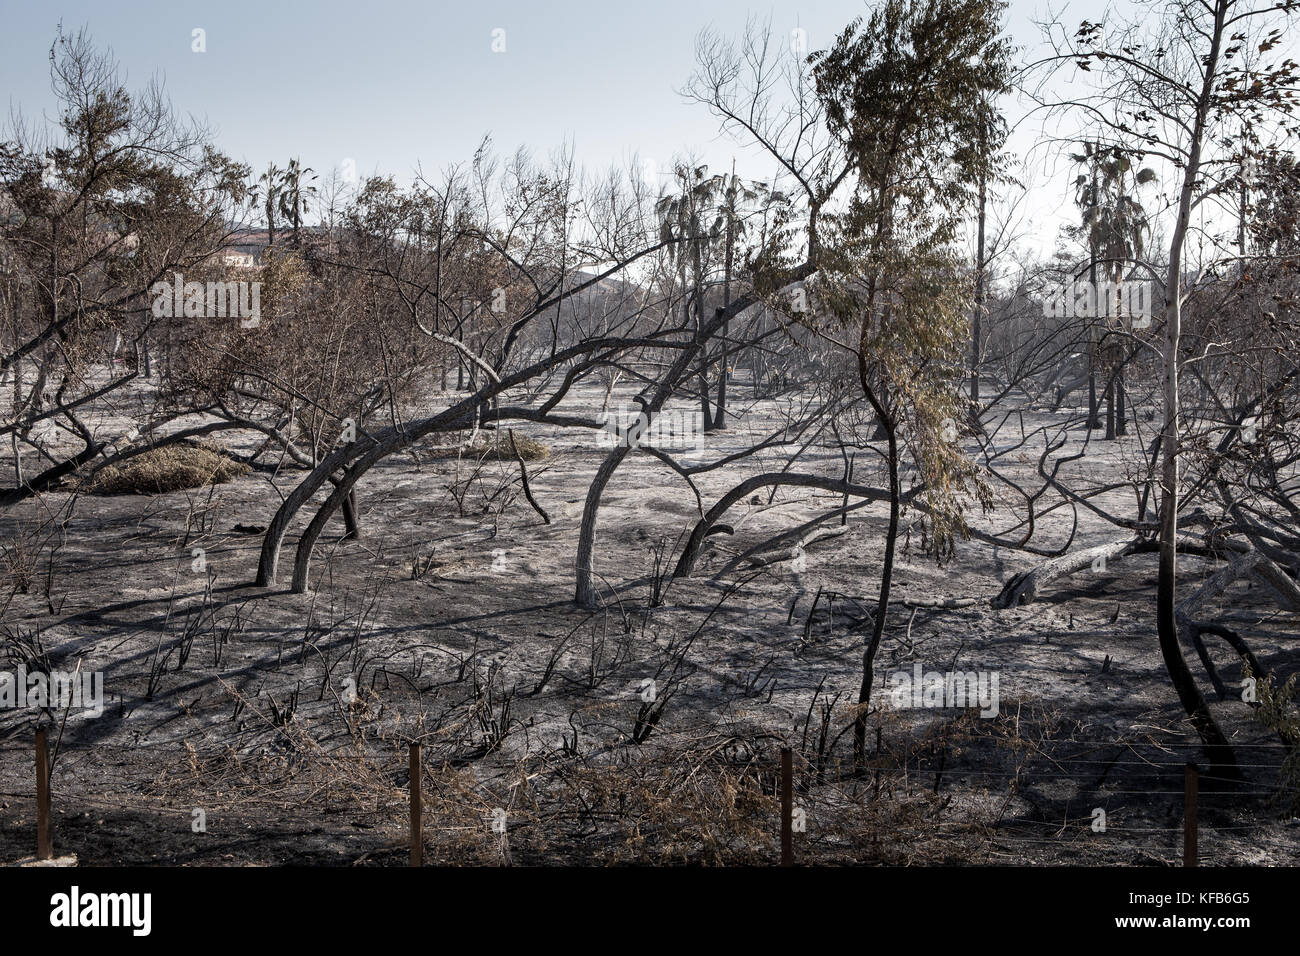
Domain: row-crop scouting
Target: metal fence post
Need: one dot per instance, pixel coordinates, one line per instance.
(787, 807)
(417, 809)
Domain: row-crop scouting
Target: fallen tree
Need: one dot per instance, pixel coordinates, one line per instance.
(1024, 586)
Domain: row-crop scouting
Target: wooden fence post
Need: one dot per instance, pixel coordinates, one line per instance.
(1190, 781)
(787, 807)
(44, 845)
(417, 810)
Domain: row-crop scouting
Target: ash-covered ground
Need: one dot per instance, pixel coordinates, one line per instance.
(247, 725)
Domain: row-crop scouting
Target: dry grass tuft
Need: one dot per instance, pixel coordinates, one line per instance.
(171, 468)
(498, 445)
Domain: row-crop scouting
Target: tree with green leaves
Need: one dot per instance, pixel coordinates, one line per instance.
(906, 90)
(117, 194)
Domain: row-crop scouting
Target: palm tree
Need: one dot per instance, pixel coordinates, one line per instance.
(294, 196)
(267, 190)
(740, 201)
(681, 218)
(725, 201)
(1115, 224)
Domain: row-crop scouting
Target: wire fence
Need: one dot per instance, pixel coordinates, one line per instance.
(780, 805)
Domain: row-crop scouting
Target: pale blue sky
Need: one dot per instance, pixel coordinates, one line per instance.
(391, 84)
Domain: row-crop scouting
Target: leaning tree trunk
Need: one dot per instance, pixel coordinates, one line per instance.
(354, 459)
(704, 527)
(268, 564)
(1216, 745)
(584, 589)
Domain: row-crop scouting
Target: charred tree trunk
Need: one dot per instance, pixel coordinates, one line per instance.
(882, 603)
(977, 317)
(1216, 745)
(720, 414)
(1121, 413)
